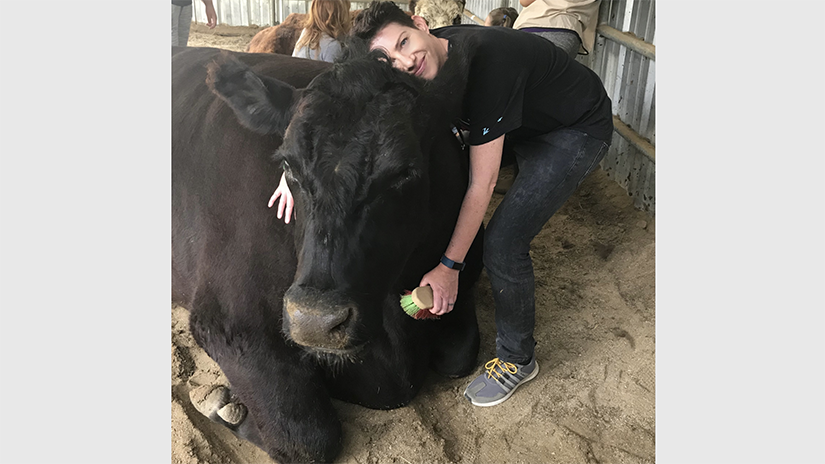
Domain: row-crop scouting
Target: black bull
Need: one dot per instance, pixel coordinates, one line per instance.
(298, 314)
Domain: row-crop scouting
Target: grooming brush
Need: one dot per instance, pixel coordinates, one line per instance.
(417, 303)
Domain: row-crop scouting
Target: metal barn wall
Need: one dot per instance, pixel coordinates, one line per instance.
(261, 13)
(481, 8)
(623, 57)
(626, 64)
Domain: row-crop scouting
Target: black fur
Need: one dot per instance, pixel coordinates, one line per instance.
(257, 100)
(378, 180)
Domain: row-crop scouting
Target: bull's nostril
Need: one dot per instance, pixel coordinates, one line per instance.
(342, 320)
(319, 319)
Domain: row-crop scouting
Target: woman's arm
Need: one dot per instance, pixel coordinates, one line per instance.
(485, 161)
(211, 16)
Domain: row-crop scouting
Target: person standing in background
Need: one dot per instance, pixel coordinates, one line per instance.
(328, 22)
(504, 16)
(569, 24)
(182, 20)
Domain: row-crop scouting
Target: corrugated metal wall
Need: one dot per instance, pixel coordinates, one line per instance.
(481, 8)
(630, 80)
(261, 12)
(629, 76)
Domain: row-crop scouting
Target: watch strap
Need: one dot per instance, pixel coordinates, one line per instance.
(452, 264)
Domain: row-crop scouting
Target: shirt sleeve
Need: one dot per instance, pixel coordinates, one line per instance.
(495, 95)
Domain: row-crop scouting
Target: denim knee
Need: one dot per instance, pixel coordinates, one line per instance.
(504, 255)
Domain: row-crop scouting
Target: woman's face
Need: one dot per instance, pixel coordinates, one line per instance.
(412, 50)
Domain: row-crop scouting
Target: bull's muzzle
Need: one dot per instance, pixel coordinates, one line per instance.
(321, 320)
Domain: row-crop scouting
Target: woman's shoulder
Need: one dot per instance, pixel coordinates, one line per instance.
(329, 48)
(326, 38)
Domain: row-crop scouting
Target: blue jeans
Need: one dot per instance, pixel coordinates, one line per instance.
(551, 166)
(565, 39)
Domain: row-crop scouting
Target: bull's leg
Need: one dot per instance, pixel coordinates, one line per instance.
(278, 400)
(456, 341)
(290, 415)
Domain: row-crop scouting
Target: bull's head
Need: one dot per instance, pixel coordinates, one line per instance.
(356, 155)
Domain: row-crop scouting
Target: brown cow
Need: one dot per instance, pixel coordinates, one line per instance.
(279, 39)
(282, 38)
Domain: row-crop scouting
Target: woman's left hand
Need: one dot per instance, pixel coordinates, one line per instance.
(287, 201)
(444, 282)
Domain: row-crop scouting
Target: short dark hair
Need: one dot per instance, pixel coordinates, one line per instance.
(504, 16)
(373, 18)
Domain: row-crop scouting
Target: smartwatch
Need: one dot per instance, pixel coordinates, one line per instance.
(452, 264)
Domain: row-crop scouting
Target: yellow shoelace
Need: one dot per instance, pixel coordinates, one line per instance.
(502, 366)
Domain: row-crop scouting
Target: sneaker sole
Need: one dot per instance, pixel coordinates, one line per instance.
(530, 377)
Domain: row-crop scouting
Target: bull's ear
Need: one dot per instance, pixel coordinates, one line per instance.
(262, 104)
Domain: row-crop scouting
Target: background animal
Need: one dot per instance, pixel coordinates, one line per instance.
(279, 39)
(297, 314)
(440, 13)
(282, 38)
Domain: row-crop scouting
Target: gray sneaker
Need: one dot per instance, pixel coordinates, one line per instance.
(499, 382)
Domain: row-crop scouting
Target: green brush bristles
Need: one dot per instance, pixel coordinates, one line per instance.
(408, 305)
(418, 302)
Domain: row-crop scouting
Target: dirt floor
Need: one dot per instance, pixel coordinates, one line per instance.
(593, 400)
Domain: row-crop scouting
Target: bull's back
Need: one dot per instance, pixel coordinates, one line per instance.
(227, 245)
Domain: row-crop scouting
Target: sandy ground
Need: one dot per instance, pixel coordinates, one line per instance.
(234, 38)
(593, 401)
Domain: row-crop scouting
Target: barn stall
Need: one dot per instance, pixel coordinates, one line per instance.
(624, 58)
(594, 400)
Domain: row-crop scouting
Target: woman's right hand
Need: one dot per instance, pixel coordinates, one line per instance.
(286, 203)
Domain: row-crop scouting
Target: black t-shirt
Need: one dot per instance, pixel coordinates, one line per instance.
(522, 85)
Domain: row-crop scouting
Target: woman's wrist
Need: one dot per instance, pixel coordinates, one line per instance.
(450, 264)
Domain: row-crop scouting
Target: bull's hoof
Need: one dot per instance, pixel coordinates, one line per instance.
(233, 413)
(207, 399)
(215, 401)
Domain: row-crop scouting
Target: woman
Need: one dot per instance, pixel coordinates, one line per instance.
(558, 120)
(328, 22)
(504, 16)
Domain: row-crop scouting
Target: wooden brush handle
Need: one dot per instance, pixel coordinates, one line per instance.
(423, 297)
